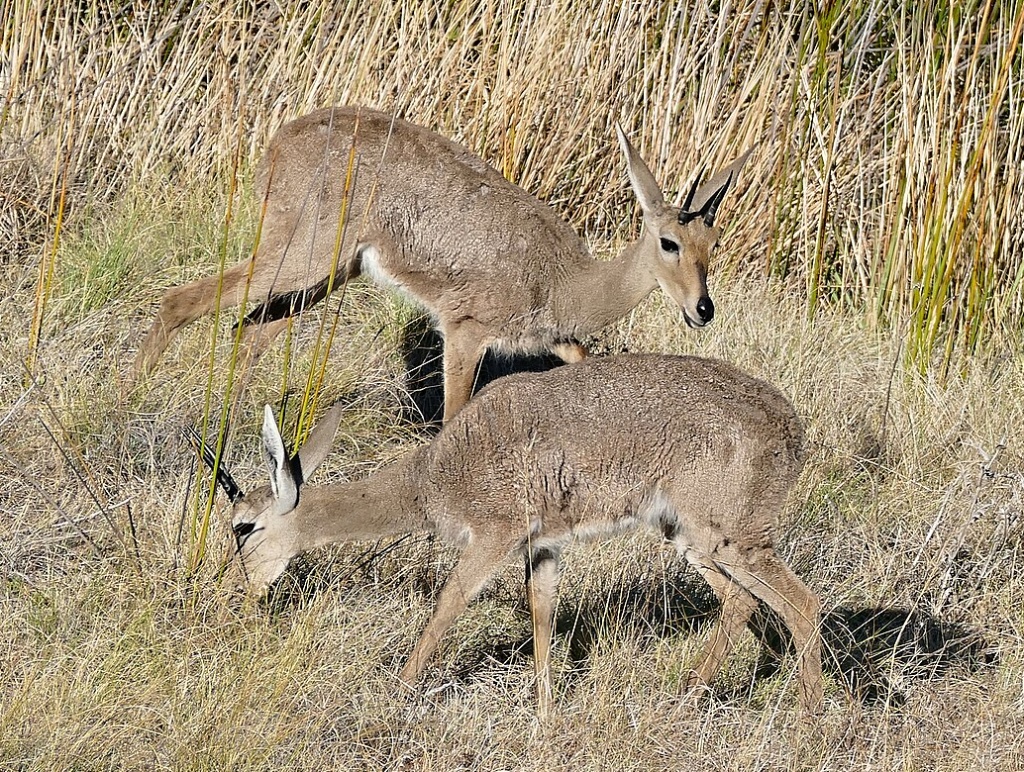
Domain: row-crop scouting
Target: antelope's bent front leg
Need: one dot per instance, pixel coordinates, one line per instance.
(463, 347)
(480, 560)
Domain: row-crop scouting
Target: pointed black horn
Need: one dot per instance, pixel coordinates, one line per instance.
(693, 189)
(224, 478)
(711, 207)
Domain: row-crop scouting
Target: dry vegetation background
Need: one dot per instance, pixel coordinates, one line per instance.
(871, 266)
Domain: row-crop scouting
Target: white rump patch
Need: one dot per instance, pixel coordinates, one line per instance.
(369, 264)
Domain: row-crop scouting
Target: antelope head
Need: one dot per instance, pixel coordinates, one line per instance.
(677, 241)
(263, 520)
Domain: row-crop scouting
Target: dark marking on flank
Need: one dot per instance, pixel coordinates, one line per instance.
(669, 525)
(289, 303)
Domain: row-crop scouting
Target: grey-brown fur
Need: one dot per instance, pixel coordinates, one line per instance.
(694, 448)
(493, 265)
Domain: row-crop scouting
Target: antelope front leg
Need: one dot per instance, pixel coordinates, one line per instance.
(480, 560)
(570, 353)
(463, 347)
(183, 305)
(542, 574)
(256, 339)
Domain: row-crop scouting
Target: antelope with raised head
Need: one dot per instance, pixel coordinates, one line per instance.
(693, 449)
(351, 191)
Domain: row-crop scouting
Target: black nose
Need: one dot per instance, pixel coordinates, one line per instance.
(705, 309)
(241, 530)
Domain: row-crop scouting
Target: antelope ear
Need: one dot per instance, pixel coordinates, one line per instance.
(318, 444)
(645, 187)
(283, 484)
(718, 184)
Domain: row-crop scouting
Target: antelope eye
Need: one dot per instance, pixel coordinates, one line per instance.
(242, 529)
(669, 245)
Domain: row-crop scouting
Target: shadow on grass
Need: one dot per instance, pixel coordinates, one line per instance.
(422, 346)
(862, 647)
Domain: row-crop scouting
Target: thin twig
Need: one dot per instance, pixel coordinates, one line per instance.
(53, 503)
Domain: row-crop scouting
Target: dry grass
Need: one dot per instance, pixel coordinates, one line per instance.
(888, 140)
(907, 522)
(886, 180)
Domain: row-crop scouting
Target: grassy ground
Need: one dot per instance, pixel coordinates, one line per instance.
(886, 174)
(870, 268)
(907, 522)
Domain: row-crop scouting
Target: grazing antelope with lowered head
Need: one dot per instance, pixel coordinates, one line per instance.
(694, 449)
(351, 191)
